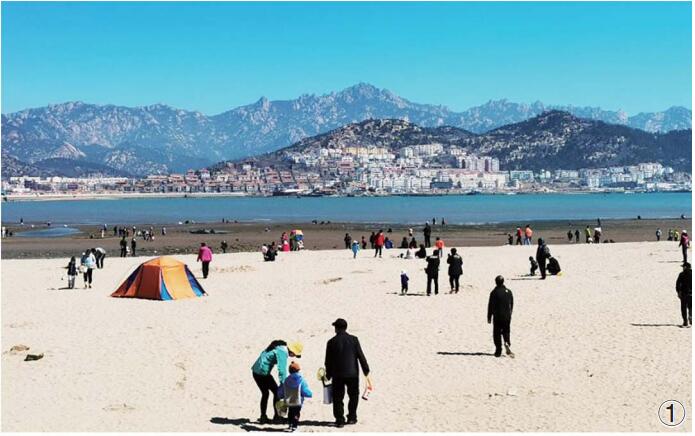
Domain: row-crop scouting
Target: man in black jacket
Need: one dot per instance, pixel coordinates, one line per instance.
(428, 232)
(542, 254)
(432, 271)
(499, 310)
(684, 288)
(343, 352)
(455, 270)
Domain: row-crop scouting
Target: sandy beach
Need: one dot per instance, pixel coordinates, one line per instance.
(597, 349)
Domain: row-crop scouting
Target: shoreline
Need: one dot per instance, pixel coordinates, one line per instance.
(145, 195)
(249, 236)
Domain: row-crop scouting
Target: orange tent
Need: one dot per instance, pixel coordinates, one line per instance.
(162, 278)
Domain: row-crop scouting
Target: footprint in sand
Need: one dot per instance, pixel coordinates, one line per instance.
(332, 280)
(118, 408)
(181, 383)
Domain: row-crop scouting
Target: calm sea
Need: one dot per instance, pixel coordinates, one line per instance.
(476, 209)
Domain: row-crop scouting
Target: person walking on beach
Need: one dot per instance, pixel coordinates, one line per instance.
(569, 235)
(455, 270)
(499, 313)
(684, 289)
(372, 240)
(658, 234)
(124, 247)
(684, 244)
(587, 232)
(205, 256)
(432, 271)
(364, 243)
(439, 245)
(87, 263)
(72, 272)
(348, 240)
(343, 354)
(274, 354)
(534, 265)
(518, 235)
(427, 231)
(542, 255)
(133, 245)
(597, 235)
(576, 236)
(379, 243)
(404, 282)
(529, 235)
(355, 249)
(224, 246)
(294, 390)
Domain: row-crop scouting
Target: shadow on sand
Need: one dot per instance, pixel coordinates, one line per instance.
(407, 295)
(458, 353)
(246, 424)
(655, 325)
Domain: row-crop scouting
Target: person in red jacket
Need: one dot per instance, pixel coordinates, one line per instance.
(379, 243)
(205, 256)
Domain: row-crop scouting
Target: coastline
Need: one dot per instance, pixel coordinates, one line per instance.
(147, 195)
(249, 236)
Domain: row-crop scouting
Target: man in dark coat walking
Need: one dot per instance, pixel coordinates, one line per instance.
(455, 270)
(499, 313)
(343, 352)
(428, 232)
(432, 271)
(684, 288)
(542, 254)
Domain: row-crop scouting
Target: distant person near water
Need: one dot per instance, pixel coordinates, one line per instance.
(343, 354)
(455, 270)
(372, 240)
(684, 289)
(348, 240)
(205, 256)
(427, 231)
(432, 271)
(124, 247)
(133, 245)
(364, 243)
(587, 233)
(439, 245)
(542, 255)
(529, 235)
(499, 313)
(684, 244)
(576, 236)
(658, 234)
(99, 255)
(276, 353)
(569, 235)
(72, 272)
(87, 264)
(379, 243)
(518, 235)
(224, 246)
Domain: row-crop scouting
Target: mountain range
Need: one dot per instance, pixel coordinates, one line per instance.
(551, 140)
(109, 139)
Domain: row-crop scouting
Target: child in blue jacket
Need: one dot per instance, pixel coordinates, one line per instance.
(294, 390)
(355, 248)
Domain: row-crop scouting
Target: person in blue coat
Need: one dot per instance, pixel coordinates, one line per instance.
(294, 390)
(355, 248)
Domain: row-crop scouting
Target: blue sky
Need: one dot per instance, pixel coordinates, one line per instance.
(215, 56)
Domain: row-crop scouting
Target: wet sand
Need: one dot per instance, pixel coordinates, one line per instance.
(245, 237)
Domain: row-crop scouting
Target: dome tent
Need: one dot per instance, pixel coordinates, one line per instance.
(162, 278)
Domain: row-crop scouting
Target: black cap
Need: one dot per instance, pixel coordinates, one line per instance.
(340, 323)
(685, 265)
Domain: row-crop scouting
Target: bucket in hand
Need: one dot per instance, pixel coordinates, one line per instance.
(328, 394)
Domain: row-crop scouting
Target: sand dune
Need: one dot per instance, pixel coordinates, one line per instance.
(598, 348)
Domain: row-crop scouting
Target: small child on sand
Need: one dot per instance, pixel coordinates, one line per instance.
(72, 272)
(534, 265)
(404, 282)
(294, 390)
(355, 249)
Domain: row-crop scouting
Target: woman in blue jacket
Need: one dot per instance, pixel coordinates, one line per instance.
(275, 354)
